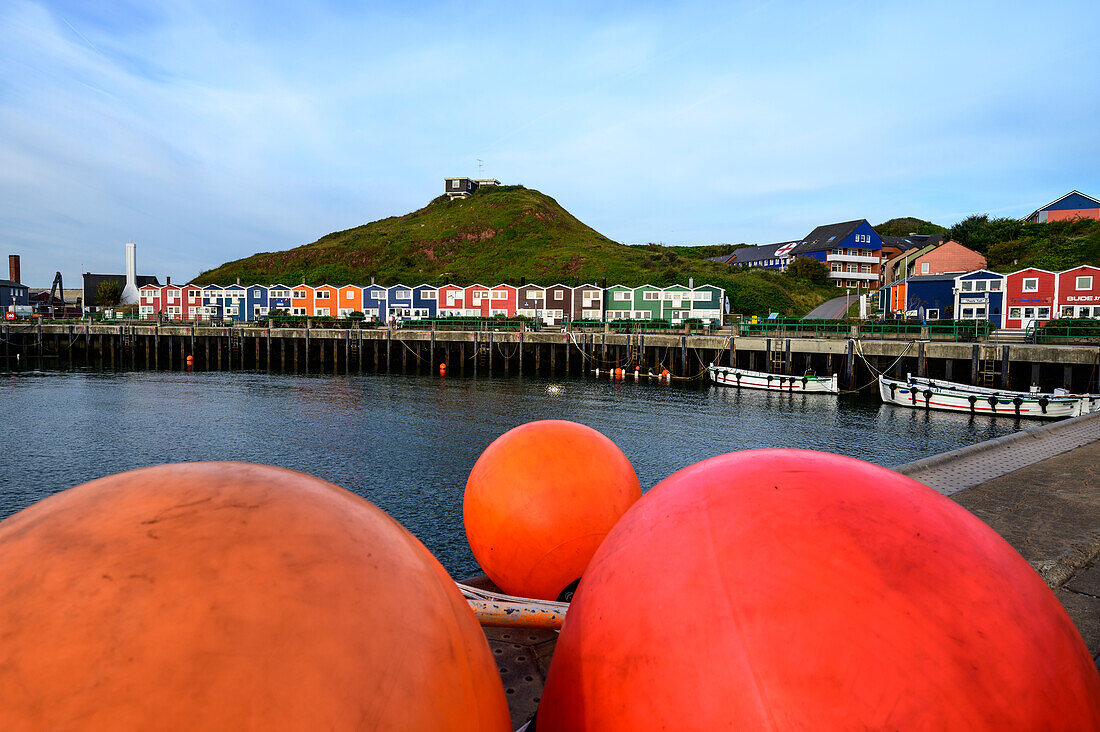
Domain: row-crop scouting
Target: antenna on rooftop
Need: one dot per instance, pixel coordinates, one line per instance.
(479, 167)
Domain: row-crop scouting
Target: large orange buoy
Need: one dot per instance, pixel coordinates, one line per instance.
(788, 589)
(539, 501)
(442, 369)
(232, 596)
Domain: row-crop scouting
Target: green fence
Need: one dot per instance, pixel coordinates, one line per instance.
(1066, 330)
(956, 330)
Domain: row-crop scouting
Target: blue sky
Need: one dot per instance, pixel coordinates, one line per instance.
(209, 131)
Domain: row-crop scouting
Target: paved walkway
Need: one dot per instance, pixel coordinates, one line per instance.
(1040, 490)
(835, 308)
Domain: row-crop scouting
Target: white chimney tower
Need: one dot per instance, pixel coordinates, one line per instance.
(130, 292)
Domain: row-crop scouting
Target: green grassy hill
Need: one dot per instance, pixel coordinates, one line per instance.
(503, 235)
(908, 225)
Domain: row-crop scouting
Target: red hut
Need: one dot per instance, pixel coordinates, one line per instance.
(503, 300)
(452, 301)
(151, 304)
(477, 300)
(1079, 292)
(1030, 296)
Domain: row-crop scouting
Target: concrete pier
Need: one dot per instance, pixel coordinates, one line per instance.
(1040, 490)
(356, 348)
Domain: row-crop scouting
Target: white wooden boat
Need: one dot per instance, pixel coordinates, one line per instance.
(954, 397)
(1093, 400)
(745, 379)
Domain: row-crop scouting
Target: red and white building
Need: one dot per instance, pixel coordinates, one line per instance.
(452, 301)
(1079, 292)
(1030, 297)
(150, 302)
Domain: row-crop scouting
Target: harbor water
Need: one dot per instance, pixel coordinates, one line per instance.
(407, 443)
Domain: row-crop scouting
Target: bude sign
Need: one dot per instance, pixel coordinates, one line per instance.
(9, 315)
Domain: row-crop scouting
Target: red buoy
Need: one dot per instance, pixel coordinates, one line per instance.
(788, 589)
(538, 502)
(442, 369)
(232, 596)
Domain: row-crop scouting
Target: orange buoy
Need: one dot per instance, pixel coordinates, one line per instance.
(538, 502)
(190, 359)
(618, 373)
(229, 596)
(442, 369)
(789, 589)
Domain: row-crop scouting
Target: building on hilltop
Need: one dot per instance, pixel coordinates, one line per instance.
(1073, 205)
(852, 250)
(462, 187)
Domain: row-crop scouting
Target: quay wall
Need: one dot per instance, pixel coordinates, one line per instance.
(408, 350)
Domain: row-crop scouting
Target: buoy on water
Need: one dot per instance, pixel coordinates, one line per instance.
(190, 359)
(665, 375)
(442, 369)
(617, 374)
(814, 573)
(229, 596)
(539, 501)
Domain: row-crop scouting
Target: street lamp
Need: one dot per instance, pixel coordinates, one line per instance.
(847, 291)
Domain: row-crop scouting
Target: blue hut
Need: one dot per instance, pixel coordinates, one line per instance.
(233, 299)
(255, 302)
(279, 297)
(374, 303)
(930, 297)
(213, 301)
(424, 301)
(399, 301)
(980, 296)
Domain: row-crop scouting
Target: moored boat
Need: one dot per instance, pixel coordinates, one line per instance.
(746, 379)
(921, 393)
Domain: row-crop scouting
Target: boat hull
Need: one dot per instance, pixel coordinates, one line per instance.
(930, 395)
(745, 379)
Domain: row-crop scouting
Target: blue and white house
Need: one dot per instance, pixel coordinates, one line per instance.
(852, 251)
(213, 301)
(399, 301)
(374, 303)
(256, 302)
(980, 296)
(425, 301)
(279, 297)
(233, 300)
(930, 297)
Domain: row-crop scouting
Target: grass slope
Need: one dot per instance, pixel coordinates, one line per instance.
(504, 235)
(907, 225)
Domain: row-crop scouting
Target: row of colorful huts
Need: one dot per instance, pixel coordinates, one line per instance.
(1017, 300)
(552, 304)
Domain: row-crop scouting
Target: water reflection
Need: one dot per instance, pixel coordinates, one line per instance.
(407, 443)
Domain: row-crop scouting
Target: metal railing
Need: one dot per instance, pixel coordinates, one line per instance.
(957, 330)
(1065, 331)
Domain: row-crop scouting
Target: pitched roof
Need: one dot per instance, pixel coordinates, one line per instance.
(823, 237)
(1058, 200)
(913, 241)
(746, 255)
(9, 283)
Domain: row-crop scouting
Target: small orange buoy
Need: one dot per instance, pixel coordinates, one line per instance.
(442, 369)
(789, 589)
(190, 359)
(230, 596)
(618, 374)
(539, 501)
